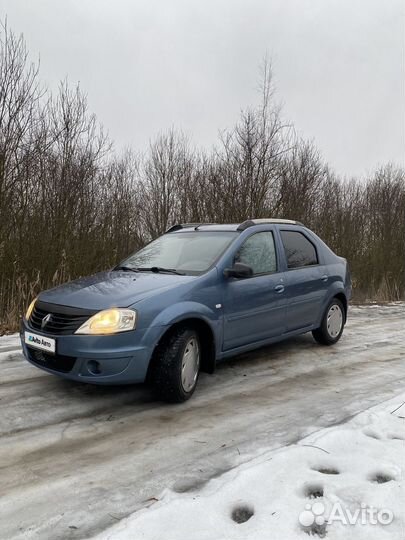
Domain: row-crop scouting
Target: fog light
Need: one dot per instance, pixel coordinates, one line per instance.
(94, 367)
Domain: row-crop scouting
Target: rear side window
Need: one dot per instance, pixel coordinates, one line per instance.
(259, 253)
(299, 251)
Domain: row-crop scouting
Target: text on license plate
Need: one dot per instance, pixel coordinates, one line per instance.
(40, 342)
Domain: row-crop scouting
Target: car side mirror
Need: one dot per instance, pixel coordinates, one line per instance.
(238, 270)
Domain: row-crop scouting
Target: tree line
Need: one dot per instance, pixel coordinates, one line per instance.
(70, 205)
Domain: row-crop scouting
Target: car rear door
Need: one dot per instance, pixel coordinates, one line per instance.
(306, 279)
(254, 307)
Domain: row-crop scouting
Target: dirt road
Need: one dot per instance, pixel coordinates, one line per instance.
(74, 458)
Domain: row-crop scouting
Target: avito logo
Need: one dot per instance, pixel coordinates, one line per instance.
(38, 341)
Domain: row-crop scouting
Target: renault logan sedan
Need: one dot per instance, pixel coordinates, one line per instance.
(196, 295)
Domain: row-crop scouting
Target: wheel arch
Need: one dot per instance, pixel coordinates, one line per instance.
(206, 337)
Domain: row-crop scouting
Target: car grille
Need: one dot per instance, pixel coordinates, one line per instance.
(56, 362)
(63, 320)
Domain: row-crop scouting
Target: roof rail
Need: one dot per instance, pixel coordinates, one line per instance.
(264, 221)
(179, 226)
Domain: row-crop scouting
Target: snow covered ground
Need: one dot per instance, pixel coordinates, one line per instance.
(77, 459)
(341, 482)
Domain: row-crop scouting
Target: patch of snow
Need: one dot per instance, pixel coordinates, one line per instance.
(76, 459)
(352, 471)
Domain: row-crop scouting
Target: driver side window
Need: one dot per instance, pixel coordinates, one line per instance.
(259, 252)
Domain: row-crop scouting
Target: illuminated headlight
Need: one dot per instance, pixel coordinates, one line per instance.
(30, 308)
(109, 321)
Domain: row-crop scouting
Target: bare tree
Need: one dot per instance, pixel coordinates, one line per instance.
(69, 205)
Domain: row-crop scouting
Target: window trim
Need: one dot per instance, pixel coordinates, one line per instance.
(309, 240)
(275, 252)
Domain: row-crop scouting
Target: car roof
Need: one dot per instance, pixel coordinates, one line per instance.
(237, 227)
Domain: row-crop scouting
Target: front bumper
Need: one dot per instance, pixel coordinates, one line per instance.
(115, 359)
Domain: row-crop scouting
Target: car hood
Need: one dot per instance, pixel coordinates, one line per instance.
(111, 289)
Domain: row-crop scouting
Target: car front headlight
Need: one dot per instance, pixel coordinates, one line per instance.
(30, 308)
(109, 321)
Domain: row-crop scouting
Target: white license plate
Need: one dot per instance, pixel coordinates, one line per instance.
(40, 342)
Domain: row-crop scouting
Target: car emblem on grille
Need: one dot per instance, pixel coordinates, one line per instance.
(45, 320)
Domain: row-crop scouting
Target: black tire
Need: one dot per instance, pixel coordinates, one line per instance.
(166, 376)
(321, 334)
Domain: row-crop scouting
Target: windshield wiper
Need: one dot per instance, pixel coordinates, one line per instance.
(157, 269)
(125, 269)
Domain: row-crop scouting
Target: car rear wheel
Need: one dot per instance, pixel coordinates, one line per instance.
(332, 325)
(176, 365)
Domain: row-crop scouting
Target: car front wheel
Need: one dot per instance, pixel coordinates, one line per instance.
(332, 325)
(176, 365)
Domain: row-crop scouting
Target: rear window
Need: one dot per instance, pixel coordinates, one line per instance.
(299, 251)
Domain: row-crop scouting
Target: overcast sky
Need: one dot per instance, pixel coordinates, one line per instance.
(147, 65)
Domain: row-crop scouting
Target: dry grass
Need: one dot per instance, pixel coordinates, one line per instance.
(17, 293)
(387, 290)
(15, 296)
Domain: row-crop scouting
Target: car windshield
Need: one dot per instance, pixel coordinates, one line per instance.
(186, 252)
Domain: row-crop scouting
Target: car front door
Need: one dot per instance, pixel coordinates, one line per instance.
(254, 307)
(306, 280)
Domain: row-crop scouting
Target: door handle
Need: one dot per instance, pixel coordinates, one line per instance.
(325, 277)
(279, 288)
